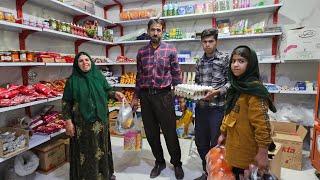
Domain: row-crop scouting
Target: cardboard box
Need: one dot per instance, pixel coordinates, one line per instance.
(51, 154)
(275, 162)
(291, 139)
(302, 44)
(67, 147)
(18, 132)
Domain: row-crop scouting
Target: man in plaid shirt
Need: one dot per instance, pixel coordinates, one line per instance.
(157, 70)
(211, 70)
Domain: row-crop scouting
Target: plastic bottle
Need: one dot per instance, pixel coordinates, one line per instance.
(165, 10)
(175, 8)
(176, 104)
(170, 9)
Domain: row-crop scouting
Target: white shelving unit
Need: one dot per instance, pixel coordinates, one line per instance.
(9, 26)
(217, 14)
(68, 9)
(63, 35)
(229, 37)
(124, 85)
(246, 11)
(134, 22)
(33, 103)
(294, 92)
(36, 140)
(188, 17)
(19, 64)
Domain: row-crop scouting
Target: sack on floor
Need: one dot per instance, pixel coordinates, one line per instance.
(26, 163)
(217, 167)
(125, 118)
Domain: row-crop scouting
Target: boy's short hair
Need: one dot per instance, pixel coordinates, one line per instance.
(209, 32)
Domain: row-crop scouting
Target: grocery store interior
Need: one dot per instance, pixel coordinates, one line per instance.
(40, 38)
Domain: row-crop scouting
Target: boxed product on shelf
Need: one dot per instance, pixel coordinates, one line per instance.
(291, 139)
(302, 44)
(223, 27)
(123, 59)
(17, 56)
(13, 141)
(7, 16)
(51, 155)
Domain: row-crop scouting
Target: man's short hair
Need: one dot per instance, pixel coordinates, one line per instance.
(156, 21)
(209, 32)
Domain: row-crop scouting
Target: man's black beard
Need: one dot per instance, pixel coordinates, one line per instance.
(155, 40)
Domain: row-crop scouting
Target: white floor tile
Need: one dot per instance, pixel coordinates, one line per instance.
(137, 165)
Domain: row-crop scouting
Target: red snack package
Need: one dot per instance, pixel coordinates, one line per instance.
(27, 90)
(5, 102)
(9, 94)
(41, 88)
(12, 87)
(18, 100)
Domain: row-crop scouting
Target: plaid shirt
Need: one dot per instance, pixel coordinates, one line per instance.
(157, 68)
(214, 72)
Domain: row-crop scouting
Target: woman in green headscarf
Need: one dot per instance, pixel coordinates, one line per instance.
(85, 109)
(245, 127)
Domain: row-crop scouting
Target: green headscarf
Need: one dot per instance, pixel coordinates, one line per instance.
(248, 83)
(88, 89)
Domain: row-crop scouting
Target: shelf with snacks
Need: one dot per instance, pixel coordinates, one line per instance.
(301, 87)
(298, 92)
(196, 16)
(124, 85)
(33, 103)
(71, 10)
(14, 96)
(12, 26)
(64, 35)
(34, 141)
(21, 64)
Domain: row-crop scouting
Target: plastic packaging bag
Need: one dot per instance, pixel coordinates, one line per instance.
(217, 167)
(26, 163)
(125, 118)
(252, 174)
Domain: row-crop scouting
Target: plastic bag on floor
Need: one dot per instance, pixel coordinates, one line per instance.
(26, 163)
(125, 118)
(253, 174)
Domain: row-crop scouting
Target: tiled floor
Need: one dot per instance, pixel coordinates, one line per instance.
(136, 166)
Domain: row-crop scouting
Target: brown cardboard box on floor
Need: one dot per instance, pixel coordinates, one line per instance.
(291, 139)
(51, 155)
(275, 162)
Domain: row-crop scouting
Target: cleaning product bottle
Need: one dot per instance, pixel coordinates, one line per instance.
(165, 10)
